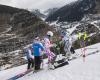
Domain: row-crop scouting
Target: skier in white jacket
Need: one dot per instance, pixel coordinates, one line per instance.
(67, 43)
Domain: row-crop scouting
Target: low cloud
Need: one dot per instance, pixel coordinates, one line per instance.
(35, 4)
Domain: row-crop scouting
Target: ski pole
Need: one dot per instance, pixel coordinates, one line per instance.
(82, 44)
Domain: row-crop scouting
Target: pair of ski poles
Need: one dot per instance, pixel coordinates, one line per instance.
(83, 50)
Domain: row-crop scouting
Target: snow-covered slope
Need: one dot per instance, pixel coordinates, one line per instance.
(76, 70)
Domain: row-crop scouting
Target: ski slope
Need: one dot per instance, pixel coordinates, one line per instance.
(76, 70)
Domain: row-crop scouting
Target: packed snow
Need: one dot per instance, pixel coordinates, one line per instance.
(76, 70)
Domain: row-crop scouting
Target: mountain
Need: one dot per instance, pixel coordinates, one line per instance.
(50, 11)
(17, 25)
(74, 11)
(38, 13)
(97, 6)
(80, 16)
(6, 12)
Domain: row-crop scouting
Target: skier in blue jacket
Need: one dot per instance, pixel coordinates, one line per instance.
(37, 48)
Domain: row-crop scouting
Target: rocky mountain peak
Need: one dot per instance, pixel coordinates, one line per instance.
(74, 11)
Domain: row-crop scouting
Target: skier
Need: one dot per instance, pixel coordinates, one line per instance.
(48, 45)
(37, 48)
(67, 44)
(82, 40)
(61, 44)
(30, 57)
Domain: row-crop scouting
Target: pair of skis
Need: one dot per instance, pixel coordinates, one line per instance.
(21, 74)
(63, 63)
(58, 64)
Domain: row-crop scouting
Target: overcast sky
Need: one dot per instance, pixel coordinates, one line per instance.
(35, 4)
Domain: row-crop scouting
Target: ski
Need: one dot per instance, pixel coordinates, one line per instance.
(21, 74)
(61, 64)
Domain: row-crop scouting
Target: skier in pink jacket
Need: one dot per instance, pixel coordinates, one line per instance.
(48, 45)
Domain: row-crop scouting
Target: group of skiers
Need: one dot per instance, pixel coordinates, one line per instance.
(39, 47)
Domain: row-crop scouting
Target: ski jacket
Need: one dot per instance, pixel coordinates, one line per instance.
(47, 43)
(29, 54)
(37, 47)
(67, 43)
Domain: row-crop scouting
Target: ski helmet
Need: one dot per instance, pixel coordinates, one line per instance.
(50, 33)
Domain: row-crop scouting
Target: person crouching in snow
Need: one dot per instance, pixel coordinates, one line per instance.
(30, 57)
(47, 43)
(37, 47)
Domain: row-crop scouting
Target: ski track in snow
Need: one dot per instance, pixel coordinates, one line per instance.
(76, 70)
